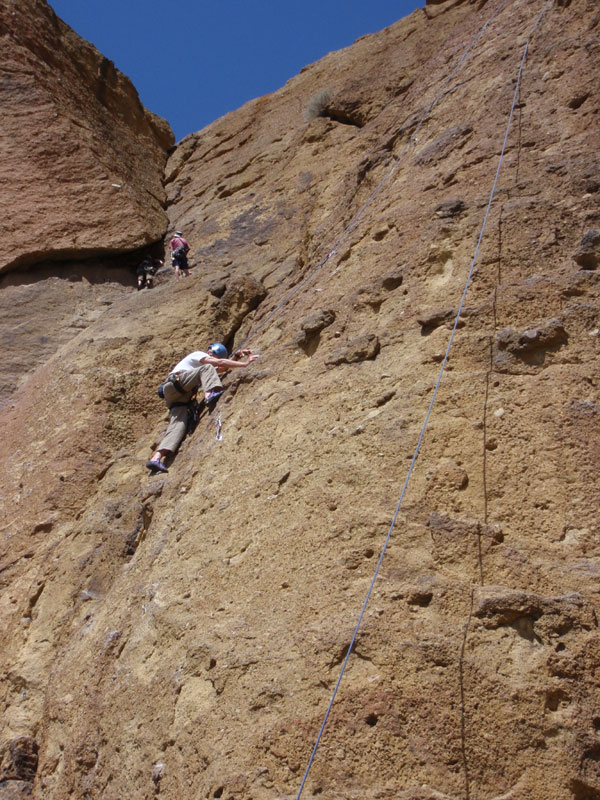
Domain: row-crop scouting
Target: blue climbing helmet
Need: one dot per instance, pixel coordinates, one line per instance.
(218, 350)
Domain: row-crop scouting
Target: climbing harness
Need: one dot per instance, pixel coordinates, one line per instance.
(431, 404)
(193, 415)
(173, 380)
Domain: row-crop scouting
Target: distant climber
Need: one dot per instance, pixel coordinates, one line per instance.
(196, 369)
(179, 248)
(146, 272)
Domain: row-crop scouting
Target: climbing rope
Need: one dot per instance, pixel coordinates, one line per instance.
(431, 404)
(395, 163)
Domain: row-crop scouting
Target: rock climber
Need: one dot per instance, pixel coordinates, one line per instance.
(179, 248)
(146, 272)
(196, 369)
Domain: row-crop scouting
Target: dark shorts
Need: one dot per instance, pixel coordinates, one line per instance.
(180, 260)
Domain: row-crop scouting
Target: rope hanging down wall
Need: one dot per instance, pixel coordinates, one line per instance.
(391, 170)
(432, 402)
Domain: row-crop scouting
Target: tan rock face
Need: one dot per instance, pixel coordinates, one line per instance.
(81, 160)
(181, 635)
(45, 308)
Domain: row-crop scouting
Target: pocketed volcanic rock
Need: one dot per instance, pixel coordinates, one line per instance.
(587, 254)
(181, 636)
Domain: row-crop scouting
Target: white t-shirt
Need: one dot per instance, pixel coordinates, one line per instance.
(191, 362)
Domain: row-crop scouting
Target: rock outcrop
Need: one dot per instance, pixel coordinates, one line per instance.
(81, 160)
(81, 183)
(181, 635)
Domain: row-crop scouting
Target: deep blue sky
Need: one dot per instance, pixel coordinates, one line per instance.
(193, 61)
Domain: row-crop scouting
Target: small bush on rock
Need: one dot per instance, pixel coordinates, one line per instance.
(317, 105)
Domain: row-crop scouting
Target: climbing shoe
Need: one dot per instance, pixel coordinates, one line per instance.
(213, 395)
(156, 465)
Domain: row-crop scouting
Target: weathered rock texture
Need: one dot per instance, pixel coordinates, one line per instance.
(81, 160)
(81, 176)
(180, 636)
